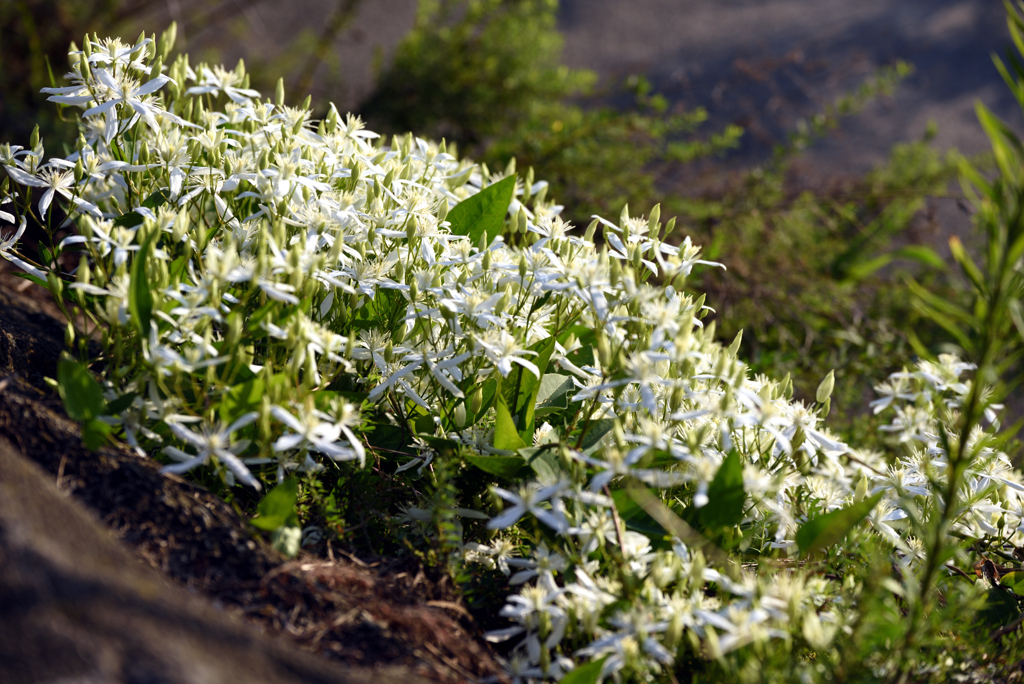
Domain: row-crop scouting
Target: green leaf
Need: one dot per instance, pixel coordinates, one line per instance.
(635, 518)
(529, 385)
(921, 254)
(286, 540)
(484, 212)
(386, 436)
(825, 530)
(725, 494)
(506, 435)
(129, 220)
(543, 461)
(81, 394)
(385, 310)
(502, 466)
(140, 299)
(595, 432)
(120, 404)
(1000, 608)
(971, 270)
(585, 674)
(241, 399)
(248, 396)
(277, 509)
(863, 269)
(94, 433)
(1014, 581)
(157, 199)
(553, 394)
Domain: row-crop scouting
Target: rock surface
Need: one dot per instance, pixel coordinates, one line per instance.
(77, 607)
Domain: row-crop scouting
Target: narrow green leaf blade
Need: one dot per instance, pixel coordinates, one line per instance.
(825, 530)
(484, 212)
(140, 299)
(921, 254)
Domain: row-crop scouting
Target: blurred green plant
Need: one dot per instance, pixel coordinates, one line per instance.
(828, 261)
(487, 75)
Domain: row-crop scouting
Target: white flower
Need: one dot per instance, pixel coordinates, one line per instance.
(7, 245)
(212, 440)
(315, 430)
(56, 180)
(529, 500)
(503, 350)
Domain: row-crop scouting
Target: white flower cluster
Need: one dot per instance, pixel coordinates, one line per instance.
(262, 281)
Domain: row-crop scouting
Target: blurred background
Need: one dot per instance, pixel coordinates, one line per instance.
(810, 145)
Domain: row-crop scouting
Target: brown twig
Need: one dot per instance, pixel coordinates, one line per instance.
(997, 634)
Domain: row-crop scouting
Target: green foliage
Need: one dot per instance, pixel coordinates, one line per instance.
(725, 495)
(822, 531)
(487, 75)
(81, 394)
(482, 216)
(470, 70)
(831, 262)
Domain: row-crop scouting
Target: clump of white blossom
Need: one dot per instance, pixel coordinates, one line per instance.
(302, 274)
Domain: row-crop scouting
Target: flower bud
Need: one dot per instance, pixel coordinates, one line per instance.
(861, 492)
(156, 68)
(55, 284)
(476, 401)
(604, 352)
(825, 388)
(279, 93)
(654, 220)
(459, 414)
(734, 348)
(521, 220)
(167, 41)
